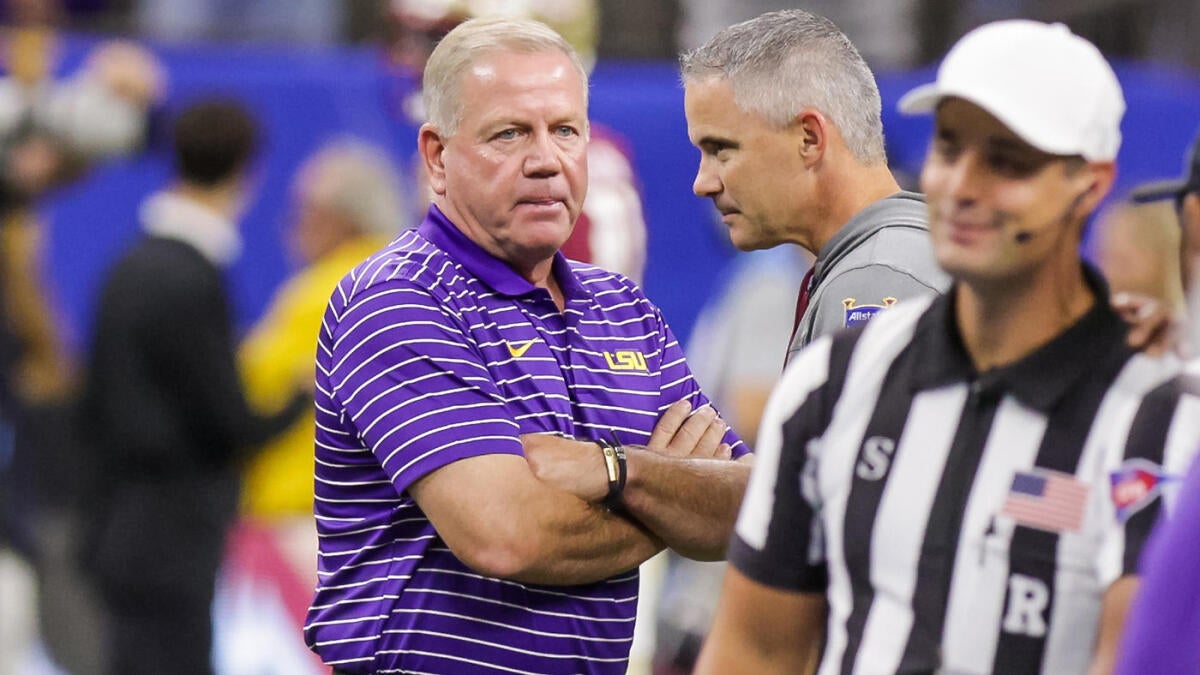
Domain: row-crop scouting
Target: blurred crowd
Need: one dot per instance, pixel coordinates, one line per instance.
(893, 33)
(349, 197)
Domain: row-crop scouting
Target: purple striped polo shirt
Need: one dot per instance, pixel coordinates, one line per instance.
(432, 351)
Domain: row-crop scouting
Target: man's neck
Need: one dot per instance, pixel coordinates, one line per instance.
(1002, 323)
(539, 272)
(556, 293)
(222, 199)
(849, 192)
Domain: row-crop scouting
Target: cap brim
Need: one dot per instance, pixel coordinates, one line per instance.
(920, 100)
(1158, 190)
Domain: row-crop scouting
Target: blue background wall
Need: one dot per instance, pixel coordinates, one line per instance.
(304, 97)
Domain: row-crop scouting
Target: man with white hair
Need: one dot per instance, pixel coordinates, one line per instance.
(502, 434)
(964, 485)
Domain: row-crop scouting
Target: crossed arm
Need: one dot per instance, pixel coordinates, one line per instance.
(539, 520)
(503, 522)
(682, 486)
(535, 518)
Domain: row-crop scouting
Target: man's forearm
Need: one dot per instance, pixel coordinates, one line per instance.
(691, 504)
(580, 543)
(503, 522)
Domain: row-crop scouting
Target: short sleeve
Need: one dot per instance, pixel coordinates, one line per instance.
(1168, 599)
(1145, 474)
(408, 374)
(778, 539)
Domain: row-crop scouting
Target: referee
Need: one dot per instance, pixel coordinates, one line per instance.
(964, 486)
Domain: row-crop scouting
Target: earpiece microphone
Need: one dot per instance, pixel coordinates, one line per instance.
(1026, 236)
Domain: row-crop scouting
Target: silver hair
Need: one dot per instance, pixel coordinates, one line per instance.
(361, 183)
(472, 40)
(782, 62)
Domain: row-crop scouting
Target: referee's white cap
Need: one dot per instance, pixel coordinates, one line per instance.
(1051, 87)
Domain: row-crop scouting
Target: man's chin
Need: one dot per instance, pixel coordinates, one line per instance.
(748, 241)
(534, 250)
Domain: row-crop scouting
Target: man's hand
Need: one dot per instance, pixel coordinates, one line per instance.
(1153, 328)
(574, 466)
(680, 432)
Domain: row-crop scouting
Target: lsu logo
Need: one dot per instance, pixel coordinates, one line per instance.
(862, 313)
(626, 359)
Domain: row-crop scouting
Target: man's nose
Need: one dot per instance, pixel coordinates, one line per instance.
(544, 157)
(707, 183)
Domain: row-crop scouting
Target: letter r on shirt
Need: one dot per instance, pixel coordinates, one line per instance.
(1027, 601)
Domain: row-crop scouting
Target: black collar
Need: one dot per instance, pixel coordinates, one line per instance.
(1040, 379)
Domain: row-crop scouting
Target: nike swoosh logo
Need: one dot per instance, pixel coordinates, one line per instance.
(518, 349)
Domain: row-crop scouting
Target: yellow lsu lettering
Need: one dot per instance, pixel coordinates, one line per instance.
(626, 359)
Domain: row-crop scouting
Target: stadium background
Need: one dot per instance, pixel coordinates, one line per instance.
(307, 96)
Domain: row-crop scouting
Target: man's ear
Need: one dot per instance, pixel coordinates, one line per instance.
(1099, 181)
(432, 147)
(812, 131)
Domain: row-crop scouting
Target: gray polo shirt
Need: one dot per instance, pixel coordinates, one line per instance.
(880, 257)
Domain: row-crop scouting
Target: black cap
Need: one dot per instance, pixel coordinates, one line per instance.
(1173, 189)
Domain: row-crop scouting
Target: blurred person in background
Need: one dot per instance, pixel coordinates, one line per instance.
(294, 22)
(347, 206)
(611, 231)
(1161, 30)
(906, 33)
(1137, 247)
(163, 407)
(52, 127)
(886, 32)
(1184, 194)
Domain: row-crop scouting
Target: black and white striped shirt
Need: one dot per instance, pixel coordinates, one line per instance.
(959, 521)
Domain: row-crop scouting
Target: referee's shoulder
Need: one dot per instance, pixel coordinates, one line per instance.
(1182, 382)
(1190, 377)
(1162, 379)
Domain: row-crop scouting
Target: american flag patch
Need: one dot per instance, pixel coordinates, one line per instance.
(1047, 500)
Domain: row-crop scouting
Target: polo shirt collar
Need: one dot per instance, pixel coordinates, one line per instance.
(438, 230)
(1040, 379)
